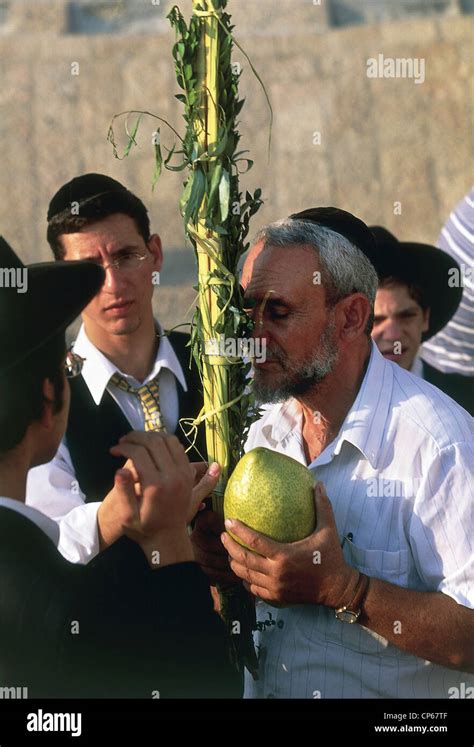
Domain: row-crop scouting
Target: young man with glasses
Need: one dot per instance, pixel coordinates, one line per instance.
(138, 620)
(134, 375)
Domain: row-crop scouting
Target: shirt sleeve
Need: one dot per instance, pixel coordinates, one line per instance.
(54, 490)
(441, 527)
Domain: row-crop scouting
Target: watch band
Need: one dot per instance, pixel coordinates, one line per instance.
(360, 593)
(351, 612)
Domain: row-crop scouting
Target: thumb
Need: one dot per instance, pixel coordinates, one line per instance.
(200, 469)
(205, 486)
(324, 512)
(124, 486)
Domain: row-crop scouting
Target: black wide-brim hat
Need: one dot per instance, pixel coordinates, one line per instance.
(55, 294)
(425, 266)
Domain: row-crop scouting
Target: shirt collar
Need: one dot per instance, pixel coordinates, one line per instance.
(364, 424)
(417, 367)
(47, 525)
(284, 419)
(98, 369)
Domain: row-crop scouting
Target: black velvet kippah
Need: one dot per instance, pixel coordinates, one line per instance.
(82, 189)
(344, 223)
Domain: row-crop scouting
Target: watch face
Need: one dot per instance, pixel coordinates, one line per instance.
(347, 616)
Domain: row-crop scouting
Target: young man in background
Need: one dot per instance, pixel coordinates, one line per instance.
(134, 377)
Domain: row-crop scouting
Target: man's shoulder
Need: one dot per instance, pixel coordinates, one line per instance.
(14, 524)
(178, 339)
(177, 333)
(27, 553)
(421, 405)
(180, 342)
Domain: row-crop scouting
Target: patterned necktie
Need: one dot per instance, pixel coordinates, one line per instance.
(149, 396)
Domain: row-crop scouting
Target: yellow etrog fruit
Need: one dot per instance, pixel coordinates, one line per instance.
(273, 494)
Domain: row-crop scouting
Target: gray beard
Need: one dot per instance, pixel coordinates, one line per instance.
(299, 379)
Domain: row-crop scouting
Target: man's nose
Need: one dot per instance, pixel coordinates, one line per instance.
(113, 279)
(391, 329)
(260, 329)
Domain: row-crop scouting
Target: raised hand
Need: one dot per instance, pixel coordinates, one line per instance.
(159, 490)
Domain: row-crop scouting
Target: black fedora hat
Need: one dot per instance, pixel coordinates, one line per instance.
(51, 296)
(423, 265)
(340, 221)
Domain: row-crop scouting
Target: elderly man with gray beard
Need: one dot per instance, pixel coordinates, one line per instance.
(377, 601)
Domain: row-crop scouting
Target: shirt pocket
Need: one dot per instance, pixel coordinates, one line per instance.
(389, 566)
(322, 628)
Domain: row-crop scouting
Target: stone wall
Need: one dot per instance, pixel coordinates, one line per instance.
(390, 150)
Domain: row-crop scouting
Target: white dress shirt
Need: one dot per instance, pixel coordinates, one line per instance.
(53, 488)
(47, 526)
(399, 477)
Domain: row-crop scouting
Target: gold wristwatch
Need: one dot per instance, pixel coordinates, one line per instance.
(350, 613)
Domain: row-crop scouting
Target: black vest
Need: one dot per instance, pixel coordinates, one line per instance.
(93, 429)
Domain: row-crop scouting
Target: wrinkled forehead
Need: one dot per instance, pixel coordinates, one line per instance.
(285, 270)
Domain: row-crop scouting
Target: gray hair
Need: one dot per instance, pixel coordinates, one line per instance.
(344, 267)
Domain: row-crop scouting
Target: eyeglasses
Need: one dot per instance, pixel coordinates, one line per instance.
(73, 364)
(126, 262)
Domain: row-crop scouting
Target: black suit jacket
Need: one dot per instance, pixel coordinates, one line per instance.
(93, 429)
(113, 628)
(460, 388)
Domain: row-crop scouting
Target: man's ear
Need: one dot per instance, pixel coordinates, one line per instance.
(47, 416)
(352, 315)
(426, 319)
(155, 247)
